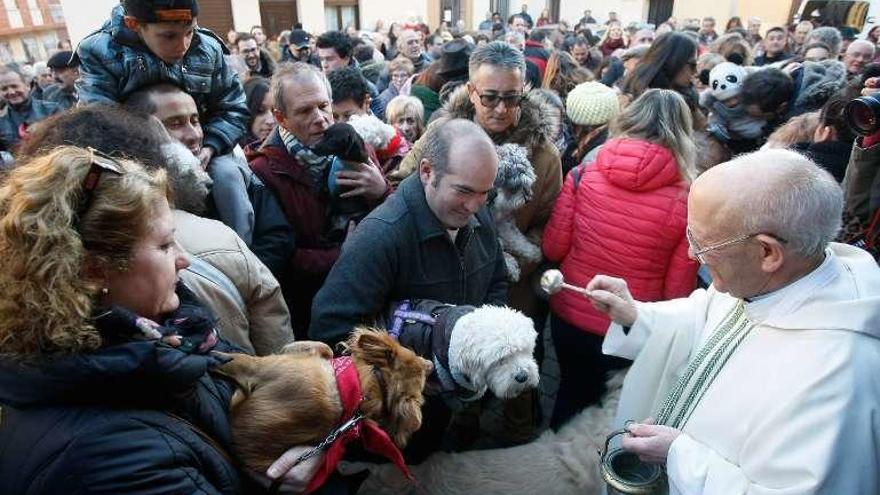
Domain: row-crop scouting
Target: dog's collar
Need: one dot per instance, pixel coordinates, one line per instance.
(352, 426)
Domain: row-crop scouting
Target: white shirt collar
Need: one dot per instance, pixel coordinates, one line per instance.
(787, 299)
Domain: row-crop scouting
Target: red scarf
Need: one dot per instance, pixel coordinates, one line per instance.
(373, 438)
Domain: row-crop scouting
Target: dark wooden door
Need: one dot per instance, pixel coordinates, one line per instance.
(659, 11)
(277, 16)
(216, 15)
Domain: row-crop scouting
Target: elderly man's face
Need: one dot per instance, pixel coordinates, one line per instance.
(754, 26)
(13, 89)
(46, 79)
(411, 45)
(458, 194)
(857, 56)
(308, 112)
(496, 96)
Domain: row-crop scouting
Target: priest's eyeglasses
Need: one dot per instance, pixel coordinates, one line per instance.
(698, 252)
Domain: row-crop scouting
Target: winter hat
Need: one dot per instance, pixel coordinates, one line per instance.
(592, 103)
(725, 79)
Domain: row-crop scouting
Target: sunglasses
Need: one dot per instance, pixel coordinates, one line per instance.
(492, 100)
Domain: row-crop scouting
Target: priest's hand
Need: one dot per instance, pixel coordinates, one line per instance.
(611, 296)
(649, 441)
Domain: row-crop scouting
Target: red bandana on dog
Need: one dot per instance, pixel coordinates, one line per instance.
(373, 438)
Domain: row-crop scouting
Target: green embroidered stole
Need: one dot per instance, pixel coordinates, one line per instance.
(704, 367)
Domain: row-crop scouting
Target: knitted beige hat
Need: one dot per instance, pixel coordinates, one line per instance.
(591, 103)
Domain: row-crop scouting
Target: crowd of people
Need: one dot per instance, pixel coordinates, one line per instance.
(166, 193)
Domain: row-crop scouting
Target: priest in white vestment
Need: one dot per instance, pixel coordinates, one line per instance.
(769, 381)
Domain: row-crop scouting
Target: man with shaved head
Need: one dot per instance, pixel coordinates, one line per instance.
(433, 239)
(766, 382)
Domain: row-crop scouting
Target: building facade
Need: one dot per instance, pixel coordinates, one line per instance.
(30, 30)
(84, 16)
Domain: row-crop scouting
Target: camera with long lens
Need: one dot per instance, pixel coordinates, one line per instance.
(863, 115)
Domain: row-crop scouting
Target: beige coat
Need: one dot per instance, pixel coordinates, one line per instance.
(235, 284)
(535, 131)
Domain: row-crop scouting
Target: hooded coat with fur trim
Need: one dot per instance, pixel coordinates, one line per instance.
(535, 131)
(626, 218)
(815, 83)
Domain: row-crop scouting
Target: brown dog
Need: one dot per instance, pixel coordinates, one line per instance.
(292, 399)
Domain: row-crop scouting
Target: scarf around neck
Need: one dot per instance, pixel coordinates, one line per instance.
(317, 166)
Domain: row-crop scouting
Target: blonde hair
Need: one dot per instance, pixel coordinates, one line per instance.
(401, 63)
(406, 106)
(662, 117)
(798, 129)
(45, 240)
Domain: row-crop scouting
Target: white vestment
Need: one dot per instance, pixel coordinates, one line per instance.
(795, 410)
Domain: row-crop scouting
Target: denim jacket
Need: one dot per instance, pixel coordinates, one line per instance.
(114, 63)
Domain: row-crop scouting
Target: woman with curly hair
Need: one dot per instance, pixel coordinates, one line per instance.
(104, 355)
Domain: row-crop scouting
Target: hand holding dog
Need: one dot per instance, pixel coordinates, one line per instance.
(364, 179)
(649, 441)
(611, 296)
(296, 478)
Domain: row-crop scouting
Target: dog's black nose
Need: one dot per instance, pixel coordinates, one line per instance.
(521, 377)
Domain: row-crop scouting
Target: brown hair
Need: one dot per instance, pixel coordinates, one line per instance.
(46, 237)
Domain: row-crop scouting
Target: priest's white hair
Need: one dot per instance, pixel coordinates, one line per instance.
(792, 198)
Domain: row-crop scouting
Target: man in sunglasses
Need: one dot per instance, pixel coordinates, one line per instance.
(766, 381)
(495, 99)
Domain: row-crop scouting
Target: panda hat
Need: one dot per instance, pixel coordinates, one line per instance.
(725, 79)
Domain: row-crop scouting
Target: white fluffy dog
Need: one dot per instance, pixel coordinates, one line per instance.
(491, 347)
(562, 463)
(513, 186)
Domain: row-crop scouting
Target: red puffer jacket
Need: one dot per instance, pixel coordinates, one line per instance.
(627, 219)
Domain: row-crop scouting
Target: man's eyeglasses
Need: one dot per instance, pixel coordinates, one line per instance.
(698, 252)
(492, 100)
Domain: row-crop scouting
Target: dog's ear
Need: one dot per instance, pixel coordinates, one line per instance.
(375, 347)
(242, 370)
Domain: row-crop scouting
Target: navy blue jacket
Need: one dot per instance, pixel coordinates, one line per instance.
(27, 114)
(114, 63)
(135, 417)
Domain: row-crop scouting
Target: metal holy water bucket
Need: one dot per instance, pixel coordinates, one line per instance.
(625, 473)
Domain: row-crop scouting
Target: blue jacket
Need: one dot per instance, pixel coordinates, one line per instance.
(134, 417)
(28, 113)
(114, 63)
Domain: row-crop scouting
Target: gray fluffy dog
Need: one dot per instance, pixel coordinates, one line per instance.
(513, 186)
(561, 463)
